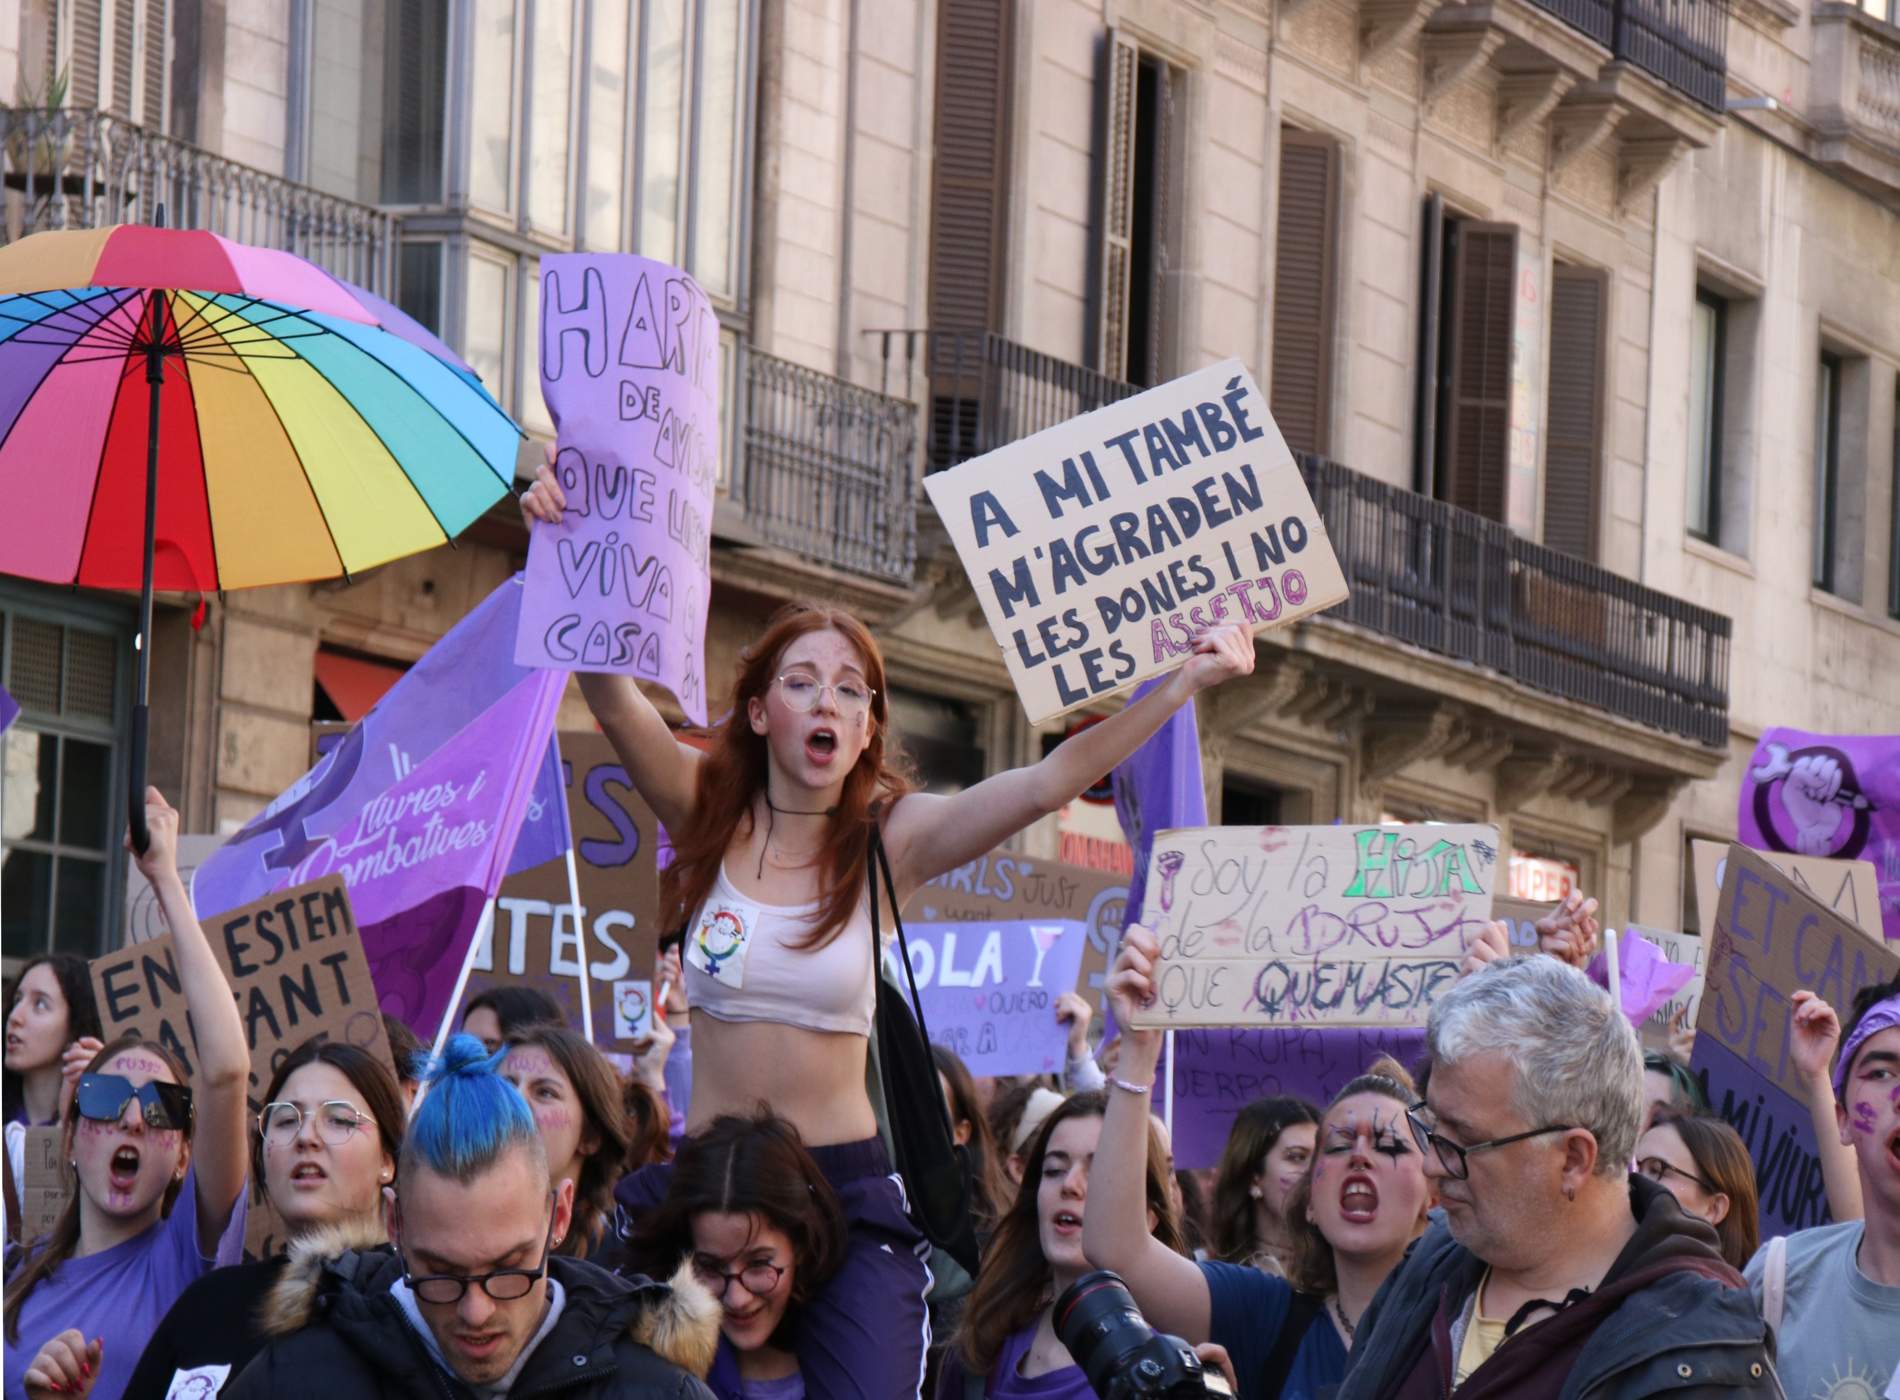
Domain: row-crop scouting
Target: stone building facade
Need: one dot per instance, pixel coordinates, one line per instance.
(1584, 314)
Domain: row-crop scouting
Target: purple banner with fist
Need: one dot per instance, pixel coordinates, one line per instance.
(1830, 795)
(630, 372)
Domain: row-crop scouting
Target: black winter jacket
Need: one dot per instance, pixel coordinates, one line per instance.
(338, 1332)
(1670, 1318)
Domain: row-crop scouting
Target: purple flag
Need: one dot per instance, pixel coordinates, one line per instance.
(546, 832)
(1832, 795)
(630, 372)
(1649, 979)
(1158, 787)
(9, 710)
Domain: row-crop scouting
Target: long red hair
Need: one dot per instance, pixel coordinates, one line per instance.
(734, 771)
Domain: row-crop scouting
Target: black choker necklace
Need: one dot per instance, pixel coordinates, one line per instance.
(773, 811)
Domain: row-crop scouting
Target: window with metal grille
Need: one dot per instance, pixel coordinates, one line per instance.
(61, 783)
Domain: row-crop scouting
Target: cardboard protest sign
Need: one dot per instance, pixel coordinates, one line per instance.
(296, 965)
(45, 1184)
(1219, 1072)
(1770, 939)
(1521, 916)
(1100, 548)
(630, 372)
(1314, 925)
(534, 942)
(1848, 887)
(1833, 795)
(1011, 895)
(142, 917)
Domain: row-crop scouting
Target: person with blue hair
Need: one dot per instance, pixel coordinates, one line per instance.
(476, 1300)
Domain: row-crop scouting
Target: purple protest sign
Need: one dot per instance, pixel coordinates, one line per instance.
(1831, 795)
(989, 989)
(1158, 787)
(1218, 1072)
(9, 710)
(630, 372)
(1648, 978)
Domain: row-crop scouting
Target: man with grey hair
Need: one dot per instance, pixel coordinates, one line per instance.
(1551, 1270)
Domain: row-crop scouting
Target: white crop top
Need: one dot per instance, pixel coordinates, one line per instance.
(743, 964)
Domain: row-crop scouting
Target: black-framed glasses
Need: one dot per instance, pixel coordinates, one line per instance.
(801, 693)
(759, 1279)
(503, 1285)
(1657, 1170)
(103, 1097)
(1453, 1157)
(336, 1120)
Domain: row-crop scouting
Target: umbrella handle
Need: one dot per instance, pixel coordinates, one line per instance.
(141, 834)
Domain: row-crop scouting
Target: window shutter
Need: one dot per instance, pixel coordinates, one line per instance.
(1303, 288)
(1574, 430)
(125, 27)
(155, 67)
(77, 50)
(1116, 254)
(966, 248)
(1477, 425)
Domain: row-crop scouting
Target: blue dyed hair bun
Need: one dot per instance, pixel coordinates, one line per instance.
(468, 1115)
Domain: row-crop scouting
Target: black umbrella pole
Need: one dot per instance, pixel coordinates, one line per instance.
(141, 710)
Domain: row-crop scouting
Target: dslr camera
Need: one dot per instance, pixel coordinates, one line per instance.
(1122, 1356)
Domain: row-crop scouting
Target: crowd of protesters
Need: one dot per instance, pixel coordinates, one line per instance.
(1535, 1209)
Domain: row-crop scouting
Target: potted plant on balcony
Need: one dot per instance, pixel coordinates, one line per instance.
(39, 138)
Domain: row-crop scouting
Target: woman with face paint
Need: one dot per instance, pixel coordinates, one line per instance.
(749, 1209)
(84, 1301)
(773, 827)
(580, 1108)
(1008, 1334)
(323, 1150)
(1351, 1218)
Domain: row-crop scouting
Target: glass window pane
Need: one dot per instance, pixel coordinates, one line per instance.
(492, 108)
(26, 901)
(1823, 543)
(416, 42)
(663, 88)
(716, 147)
(419, 283)
(485, 322)
(548, 126)
(532, 410)
(80, 916)
(1701, 405)
(32, 777)
(606, 127)
(85, 794)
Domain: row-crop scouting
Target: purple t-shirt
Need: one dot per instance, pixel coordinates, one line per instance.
(1065, 1383)
(120, 1294)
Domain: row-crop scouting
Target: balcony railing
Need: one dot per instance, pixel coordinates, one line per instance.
(82, 169)
(984, 391)
(1855, 91)
(1682, 42)
(828, 469)
(1455, 583)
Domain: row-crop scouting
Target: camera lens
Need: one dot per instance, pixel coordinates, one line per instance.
(1100, 1325)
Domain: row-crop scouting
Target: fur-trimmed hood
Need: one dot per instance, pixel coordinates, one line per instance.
(677, 1320)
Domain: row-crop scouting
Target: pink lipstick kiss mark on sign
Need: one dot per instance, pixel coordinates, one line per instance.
(979, 1001)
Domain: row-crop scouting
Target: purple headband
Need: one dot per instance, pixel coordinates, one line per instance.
(1881, 1016)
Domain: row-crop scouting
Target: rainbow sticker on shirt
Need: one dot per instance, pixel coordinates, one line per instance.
(717, 947)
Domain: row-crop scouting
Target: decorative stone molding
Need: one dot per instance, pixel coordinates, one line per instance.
(1642, 162)
(1646, 803)
(1397, 738)
(1855, 91)
(1272, 690)
(1481, 748)
(1384, 23)
(1579, 123)
(1529, 774)
(1524, 99)
(1450, 55)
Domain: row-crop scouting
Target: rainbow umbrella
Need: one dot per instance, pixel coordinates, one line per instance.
(184, 412)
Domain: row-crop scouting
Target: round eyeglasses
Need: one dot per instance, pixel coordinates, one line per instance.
(503, 1285)
(1659, 1171)
(336, 1120)
(800, 692)
(759, 1279)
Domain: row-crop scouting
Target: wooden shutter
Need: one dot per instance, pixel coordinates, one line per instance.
(968, 181)
(1477, 425)
(125, 30)
(78, 26)
(1303, 288)
(1115, 255)
(154, 104)
(1574, 424)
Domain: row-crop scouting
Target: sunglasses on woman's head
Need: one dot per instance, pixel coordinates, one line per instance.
(103, 1097)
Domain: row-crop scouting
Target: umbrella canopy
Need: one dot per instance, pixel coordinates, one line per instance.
(305, 429)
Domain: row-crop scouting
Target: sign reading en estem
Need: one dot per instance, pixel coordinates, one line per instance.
(1314, 925)
(1772, 938)
(1101, 548)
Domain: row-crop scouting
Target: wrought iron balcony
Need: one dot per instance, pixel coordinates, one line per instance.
(984, 391)
(1684, 43)
(1455, 583)
(70, 168)
(828, 469)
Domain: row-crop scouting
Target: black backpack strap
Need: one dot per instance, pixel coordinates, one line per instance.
(883, 862)
(1301, 1309)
